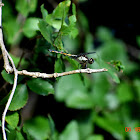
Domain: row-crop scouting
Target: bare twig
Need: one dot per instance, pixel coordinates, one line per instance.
(11, 96)
(7, 66)
(54, 75)
(9, 69)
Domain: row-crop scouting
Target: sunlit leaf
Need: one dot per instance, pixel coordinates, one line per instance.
(12, 118)
(59, 13)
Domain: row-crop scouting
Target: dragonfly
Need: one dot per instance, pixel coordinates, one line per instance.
(82, 57)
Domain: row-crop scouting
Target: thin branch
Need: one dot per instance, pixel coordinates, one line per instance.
(54, 75)
(11, 96)
(9, 69)
(7, 66)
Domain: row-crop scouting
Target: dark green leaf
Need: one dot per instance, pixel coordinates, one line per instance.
(137, 87)
(59, 65)
(23, 63)
(30, 27)
(7, 77)
(111, 125)
(14, 134)
(40, 86)
(38, 128)
(19, 136)
(71, 132)
(20, 98)
(12, 118)
(45, 30)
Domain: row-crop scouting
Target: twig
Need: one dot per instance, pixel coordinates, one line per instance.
(11, 96)
(9, 69)
(54, 75)
(7, 66)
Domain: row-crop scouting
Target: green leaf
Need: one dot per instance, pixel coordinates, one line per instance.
(124, 92)
(24, 6)
(38, 128)
(5, 128)
(44, 12)
(79, 100)
(19, 136)
(11, 30)
(20, 98)
(23, 63)
(100, 88)
(70, 29)
(95, 137)
(14, 134)
(110, 69)
(45, 30)
(59, 13)
(137, 87)
(59, 65)
(12, 118)
(138, 40)
(71, 132)
(112, 126)
(30, 27)
(73, 9)
(40, 86)
(113, 75)
(7, 77)
(85, 123)
(73, 92)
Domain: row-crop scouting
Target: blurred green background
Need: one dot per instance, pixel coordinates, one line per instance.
(95, 106)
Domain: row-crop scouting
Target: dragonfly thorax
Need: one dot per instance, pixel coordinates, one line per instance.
(90, 61)
(82, 58)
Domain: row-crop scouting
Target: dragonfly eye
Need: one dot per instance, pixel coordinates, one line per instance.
(90, 61)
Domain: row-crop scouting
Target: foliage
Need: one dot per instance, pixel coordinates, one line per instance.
(103, 103)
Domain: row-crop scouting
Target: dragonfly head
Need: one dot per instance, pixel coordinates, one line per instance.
(91, 60)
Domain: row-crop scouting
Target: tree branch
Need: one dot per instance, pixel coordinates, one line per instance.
(9, 69)
(7, 66)
(55, 75)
